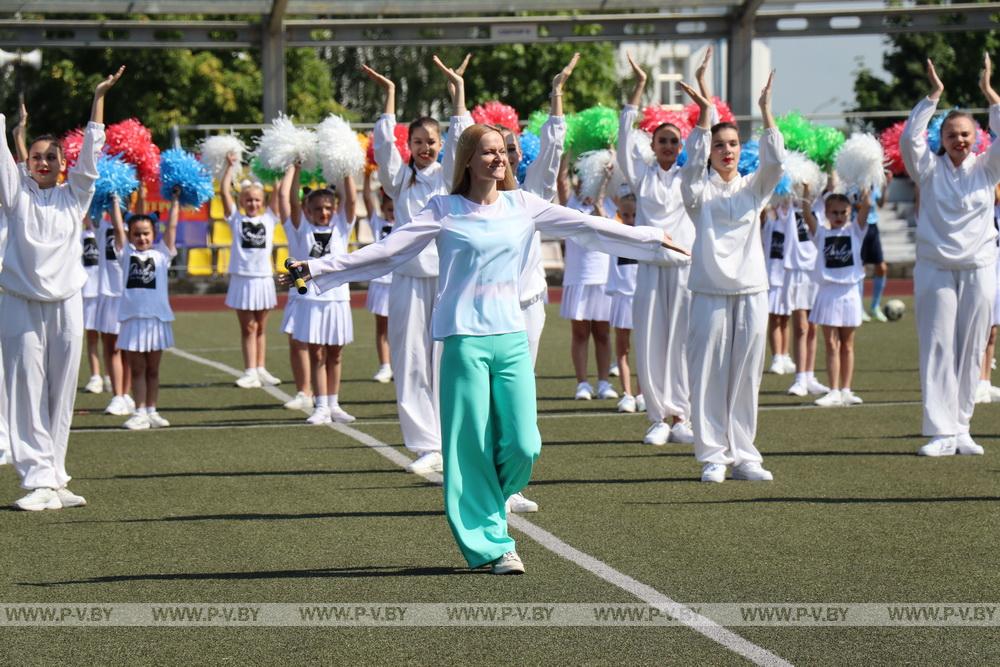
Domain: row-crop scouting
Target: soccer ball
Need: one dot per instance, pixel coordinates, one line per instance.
(894, 309)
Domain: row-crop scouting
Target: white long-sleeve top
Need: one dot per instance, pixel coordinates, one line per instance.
(727, 257)
(43, 258)
(411, 189)
(622, 275)
(800, 252)
(955, 221)
(657, 191)
(483, 249)
(540, 179)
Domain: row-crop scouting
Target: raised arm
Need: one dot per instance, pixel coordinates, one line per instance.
(772, 149)
(20, 134)
(864, 208)
(117, 223)
(460, 119)
(389, 107)
(557, 86)
(367, 196)
(83, 175)
(640, 81)
(993, 153)
(10, 180)
(916, 154)
(170, 233)
(629, 157)
(97, 108)
(698, 147)
(807, 211)
(562, 180)
(986, 86)
(542, 174)
(289, 181)
(226, 185)
(456, 84)
(349, 199)
(384, 136)
(701, 75)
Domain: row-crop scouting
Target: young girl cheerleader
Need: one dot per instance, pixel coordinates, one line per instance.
(838, 303)
(380, 223)
(488, 412)
(954, 280)
(323, 320)
(298, 353)
(251, 290)
(41, 307)
(107, 323)
(621, 288)
(773, 237)
(985, 391)
(144, 311)
(91, 292)
(728, 285)
(414, 287)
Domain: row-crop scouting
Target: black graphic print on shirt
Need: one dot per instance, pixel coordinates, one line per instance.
(777, 245)
(624, 261)
(800, 227)
(253, 234)
(91, 253)
(141, 273)
(837, 252)
(385, 231)
(110, 251)
(321, 241)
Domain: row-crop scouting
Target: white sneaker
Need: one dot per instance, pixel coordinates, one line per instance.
(752, 472)
(69, 499)
(798, 389)
(832, 399)
(605, 390)
(156, 421)
(584, 392)
(339, 415)
(5, 458)
(815, 387)
(321, 415)
(777, 366)
(95, 385)
(266, 378)
(521, 505)
(137, 422)
(994, 394)
(249, 380)
(865, 317)
(117, 407)
(850, 398)
(130, 404)
(993, 364)
(509, 563)
(302, 401)
(789, 364)
(658, 434)
(38, 500)
(640, 403)
(939, 446)
(384, 375)
(713, 472)
(428, 462)
(983, 392)
(627, 404)
(681, 433)
(965, 445)
(108, 388)
(614, 371)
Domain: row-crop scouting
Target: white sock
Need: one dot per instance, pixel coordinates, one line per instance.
(250, 371)
(384, 367)
(845, 390)
(332, 401)
(984, 383)
(321, 401)
(801, 377)
(810, 375)
(150, 409)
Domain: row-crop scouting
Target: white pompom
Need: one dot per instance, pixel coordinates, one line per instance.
(215, 153)
(283, 144)
(860, 162)
(590, 168)
(338, 150)
(803, 171)
(645, 145)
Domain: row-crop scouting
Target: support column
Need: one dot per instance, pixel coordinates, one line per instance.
(739, 77)
(273, 61)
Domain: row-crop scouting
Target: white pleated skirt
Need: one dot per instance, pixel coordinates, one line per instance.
(776, 301)
(585, 302)
(621, 311)
(996, 300)
(323, 322)
(90, 313)
(377, 302)
(799, 290)
(106, 317)
(837, 305)
(145, 334)
(288, 317)
(251, 293)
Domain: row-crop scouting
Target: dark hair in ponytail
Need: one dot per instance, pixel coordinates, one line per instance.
(428, 124)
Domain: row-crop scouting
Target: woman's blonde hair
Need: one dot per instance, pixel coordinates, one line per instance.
(468, 144)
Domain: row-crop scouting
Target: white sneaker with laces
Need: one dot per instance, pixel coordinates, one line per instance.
(384, 375)
(605, 390)
(339, 415)
(302, 401)
(994, 394)
(681, 433)
(752, 472)
(95, 385)
(777, 366)
(658, 434)
(983, 392)
(266, 378)
(965, 445)
(137, 422)
(519, 504)
(38, 500)
(156, 421)
(130, 404)
(427, 462)
(249, 380)
(798, 389)
(713, 472)
(850, 398)
(107, 384)
(640, 403)
(69, 499)
(117, 407)
(627, 404)
(789, 364)
(614, 371)
(509, 563)
(833, 399)
(941, 445)
(584, 392)
(321, 415)
(815, 387)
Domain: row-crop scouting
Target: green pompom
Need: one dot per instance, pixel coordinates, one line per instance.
(314, 176)
(536, 120)
(263, 173)
(799, 133)
(828, 143)
(592, 129)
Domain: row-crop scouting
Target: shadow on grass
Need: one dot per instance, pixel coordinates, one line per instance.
(245, 473)
(641, 480)
(830, 501)
(765, 452)
(268, 517)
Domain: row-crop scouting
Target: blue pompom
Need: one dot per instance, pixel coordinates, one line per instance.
(444, 142)
(749, 158)
(934, 132)
(530, 145)
(181, 169)
(115, 177)
(784, 186)
(682, 157)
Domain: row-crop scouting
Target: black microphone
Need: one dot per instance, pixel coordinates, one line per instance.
(300, 283)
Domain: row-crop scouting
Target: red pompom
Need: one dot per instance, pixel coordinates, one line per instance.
(890, 148)
(497, 113)
(654, 116)
(134, 143)
(983, 140)
(725, 113)
(403, 141)
(71, 144)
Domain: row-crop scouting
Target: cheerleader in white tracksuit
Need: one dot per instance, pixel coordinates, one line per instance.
(729, 289)
(106, 320)
(662, 301)
(955, 276)
(4, 432)
(145, 314)
(91, 293)
(412, 295)
(380, 221)
(251, 291)
(41, 309)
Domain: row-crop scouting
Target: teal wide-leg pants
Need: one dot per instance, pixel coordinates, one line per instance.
(489, 437)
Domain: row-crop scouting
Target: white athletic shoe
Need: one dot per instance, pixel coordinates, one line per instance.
(777, 365)
(965, 445)
(627, 404)
(427, 462)
(137, 422)
(865, 317)
(789, 364)
(266, 378)
(95, 385)
(384, 375)
(713, 472)
(108, 387)
(38, 500)
(994, 394)
(751, 472)
(249, 380)
(584, 392)
(69, 499)
(815, 387)
(833, 399)
(339, 415)
(156, 421)
(681, 433)
(519, 504)
(640, 403)
(130, 402)
(850, 398)
(117, 407)
(302, 401)
(983, 394)
(509, 563)
(798, 389)
(605, 390)
(614, 371)
(5, 459)
(993, 364)
(658, 434)
(942, 445)
(321, 415)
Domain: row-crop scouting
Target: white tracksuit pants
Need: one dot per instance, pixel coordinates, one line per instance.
(954, 310)
(4, 433)
(534, 322)
(415, 361)
(660, 312)
(41, 357)
(725, 354)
